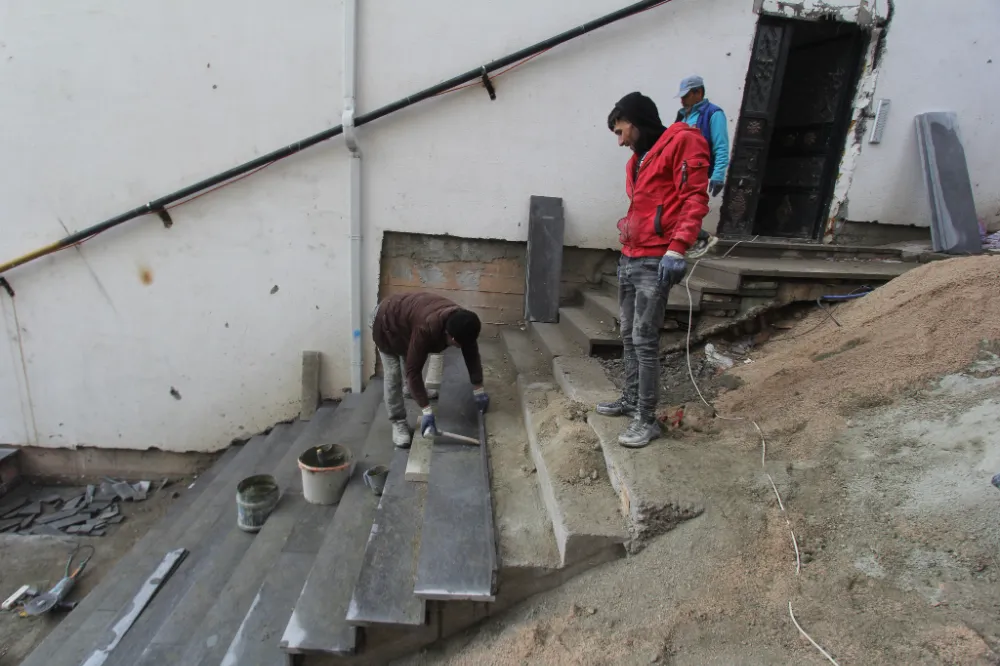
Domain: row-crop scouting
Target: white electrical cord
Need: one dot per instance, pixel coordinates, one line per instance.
(763, 442)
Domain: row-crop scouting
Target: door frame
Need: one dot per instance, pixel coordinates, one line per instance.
(755, 127)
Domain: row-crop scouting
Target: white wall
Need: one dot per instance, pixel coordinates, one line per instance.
(937, 58)
(109, 104)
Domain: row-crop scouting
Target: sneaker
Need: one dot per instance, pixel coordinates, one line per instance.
(701, 247)
(639, 433)
(401, 434)
(620, 407)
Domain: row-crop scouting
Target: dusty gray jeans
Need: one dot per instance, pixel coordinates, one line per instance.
(641, 302)
(393, 369)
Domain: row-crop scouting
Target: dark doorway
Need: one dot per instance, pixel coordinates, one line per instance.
(793, 125)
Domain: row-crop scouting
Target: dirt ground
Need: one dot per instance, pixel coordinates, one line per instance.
(40, 561)
(882, 426)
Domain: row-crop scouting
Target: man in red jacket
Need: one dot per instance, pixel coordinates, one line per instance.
(667, 185)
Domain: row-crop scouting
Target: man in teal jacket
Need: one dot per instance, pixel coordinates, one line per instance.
(711, 121)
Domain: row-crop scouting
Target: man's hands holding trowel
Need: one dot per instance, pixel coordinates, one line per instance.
(428, 427)
(482, 398)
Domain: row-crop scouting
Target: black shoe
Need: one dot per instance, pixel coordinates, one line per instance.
(639, 434)
(620, 407)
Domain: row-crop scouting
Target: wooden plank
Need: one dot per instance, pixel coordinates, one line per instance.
(458, 557)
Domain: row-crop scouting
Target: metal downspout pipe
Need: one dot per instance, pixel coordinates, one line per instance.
(354, 188)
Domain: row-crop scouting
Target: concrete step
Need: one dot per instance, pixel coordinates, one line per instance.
(819, 269)
(458, 555)
(199, 530)
(596, 336)
(523, 352)
(601, 304)
(718, 272)
(127, 574)
(553, 340)
(525, 542)
(383, 593)
(787, 250)
(318, 622)
(291, 528)
(582, 379)
(584, 515)
(177, 612)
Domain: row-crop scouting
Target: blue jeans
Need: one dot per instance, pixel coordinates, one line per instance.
(641, 302)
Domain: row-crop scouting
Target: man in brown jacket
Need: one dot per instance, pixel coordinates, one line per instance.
(407, 328)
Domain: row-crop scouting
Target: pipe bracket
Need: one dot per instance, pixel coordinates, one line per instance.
(489, 85)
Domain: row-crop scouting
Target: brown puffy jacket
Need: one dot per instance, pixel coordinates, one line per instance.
(412, 326)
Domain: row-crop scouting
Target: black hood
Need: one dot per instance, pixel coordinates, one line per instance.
(641, 111)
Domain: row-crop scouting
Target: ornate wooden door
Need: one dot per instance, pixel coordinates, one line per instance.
(756, 126)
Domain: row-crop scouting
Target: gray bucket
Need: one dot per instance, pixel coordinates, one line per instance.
(375, 478)
(325, 473)
(256, 497)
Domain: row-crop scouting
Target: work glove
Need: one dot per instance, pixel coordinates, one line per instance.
(428, 428)
(482, 399)
(671, 270)
(715, 187)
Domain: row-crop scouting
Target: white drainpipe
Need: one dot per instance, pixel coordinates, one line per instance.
(354, 191)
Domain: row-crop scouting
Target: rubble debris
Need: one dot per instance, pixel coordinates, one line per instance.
(7, 525)
(105, 491)
(58, 515)
(32, 509)
(71, 520)
(50, 498)
(26, 523)
(89, 496)
(713, 357)
(72, 504)
(123, 490)
(10, 509)
(140, 491)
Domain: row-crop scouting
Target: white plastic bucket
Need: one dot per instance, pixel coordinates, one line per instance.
(325, 473)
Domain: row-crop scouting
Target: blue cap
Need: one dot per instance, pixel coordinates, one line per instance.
(690, 83)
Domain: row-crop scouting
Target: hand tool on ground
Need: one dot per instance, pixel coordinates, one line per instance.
(458, 438)
(43, 603)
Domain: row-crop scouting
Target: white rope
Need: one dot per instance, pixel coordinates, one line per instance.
(763, 442)
(809, 638)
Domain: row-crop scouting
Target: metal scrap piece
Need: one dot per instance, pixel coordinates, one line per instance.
(136, 606)
(141, 490)
(6, 525)
(66, 522)
(58, 515)
(123, 490)
(73, 503)
(32, 509)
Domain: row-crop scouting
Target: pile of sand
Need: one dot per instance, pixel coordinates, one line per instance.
(931, 321)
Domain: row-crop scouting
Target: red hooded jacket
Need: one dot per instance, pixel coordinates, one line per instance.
(669, 198)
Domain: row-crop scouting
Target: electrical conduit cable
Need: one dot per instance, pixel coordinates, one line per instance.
(188, 193)
(763, 443)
